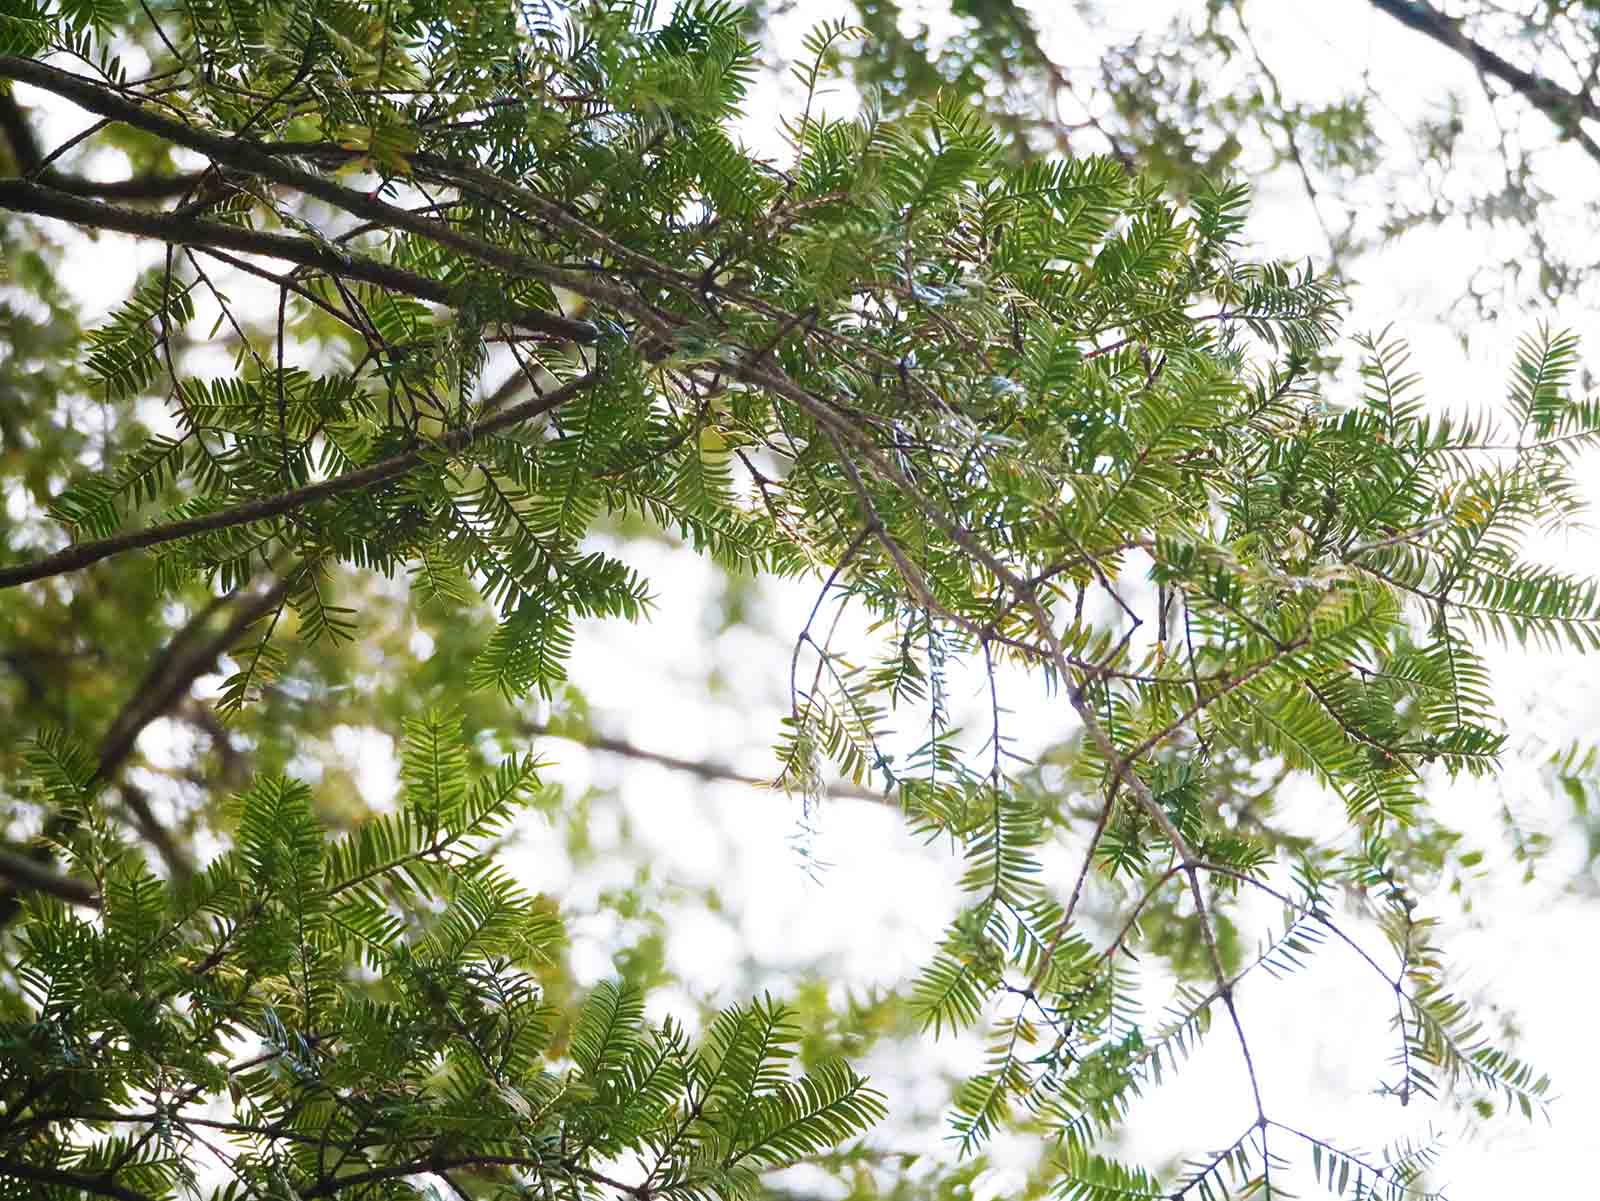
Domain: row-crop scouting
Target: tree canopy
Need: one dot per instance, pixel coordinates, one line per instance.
(443, 308)
(1475, 117)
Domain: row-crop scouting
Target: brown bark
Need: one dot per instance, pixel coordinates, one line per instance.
(1565, 109)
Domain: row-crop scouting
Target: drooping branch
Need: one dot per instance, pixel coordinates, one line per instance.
(75, 558)
(1565, 109)
(24, 197)
(252, 159)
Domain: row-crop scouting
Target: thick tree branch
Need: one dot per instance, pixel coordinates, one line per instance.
(166, 683)
(75, 558)
(25, 149)
(25, 874)
(96, 1186)
(257, 160)
(25, 197)
(1565, 109)
(186, 656)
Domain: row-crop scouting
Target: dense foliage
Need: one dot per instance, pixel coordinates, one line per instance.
(1393, 120)
(1025, 412)
(386, 977)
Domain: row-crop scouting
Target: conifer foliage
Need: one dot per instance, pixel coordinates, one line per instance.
(382, 984)
(1027, 413)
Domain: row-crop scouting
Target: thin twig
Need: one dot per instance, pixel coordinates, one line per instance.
(75, 558)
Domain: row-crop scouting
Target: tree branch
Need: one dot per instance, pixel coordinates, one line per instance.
(1565, 109)
(708, 770)
(25, 149)
(24, 874)
(334, 1185)
(24, 197)
(256, 160)
(179, 664)
(170, 676)
(75, 558)
(95, 1185)
(165, 684)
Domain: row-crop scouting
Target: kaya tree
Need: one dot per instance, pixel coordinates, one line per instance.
(1390, 119)
(1034, 416)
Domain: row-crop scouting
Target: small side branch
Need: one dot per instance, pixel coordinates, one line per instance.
(75, 558)
(708, 770)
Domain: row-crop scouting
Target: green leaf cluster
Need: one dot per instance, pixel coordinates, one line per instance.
(325, 1017)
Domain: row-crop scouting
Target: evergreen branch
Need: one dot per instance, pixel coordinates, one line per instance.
(1047, 957)
(1351, 730)
(257, 160)
(1398, 1171)
(955, 363)
(1407, 536)
(1226, 683)
(550, 211)
(1180, 845)
(1132, 920)
(1317, 914)
(180, 230)
(432, 850)
(842, 431)
(1229, 1155)
(75, 558)
(1482, 1063)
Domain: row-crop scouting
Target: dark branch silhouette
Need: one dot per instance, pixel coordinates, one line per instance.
(25, 149)
(23, 874)
(253, 159)
(187, 655)
(24, 197)
(1565, 109)
(96, 1186)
